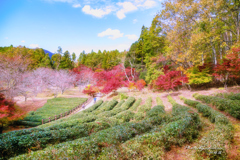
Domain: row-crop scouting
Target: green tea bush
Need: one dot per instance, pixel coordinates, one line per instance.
(231, 96)
(147, 106)
(213, 144)
(135, 105)
(190, 102)
(90, 147)
(155, 111)
(13, 146)
(126, 116)
(128, 103)
(28, 123)
(93, 107)
(109, 106)
(119, 104)
(123, 96)
(139, 116)
(230, 106)
(159, 101)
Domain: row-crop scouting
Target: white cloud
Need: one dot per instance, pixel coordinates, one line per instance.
(126, 7)
(135, 21)
(23, 41)
(148, 4)
(96, 12)
(145, 4)
(76, 5)
(34, 45)
(132, 37)
(113, 34)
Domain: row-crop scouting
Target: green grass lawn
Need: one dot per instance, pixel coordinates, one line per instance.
(54, 107)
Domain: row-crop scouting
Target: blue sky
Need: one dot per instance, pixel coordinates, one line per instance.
(75, 25)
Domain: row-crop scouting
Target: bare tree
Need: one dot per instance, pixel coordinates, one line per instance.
(59, 81)
(11, 75)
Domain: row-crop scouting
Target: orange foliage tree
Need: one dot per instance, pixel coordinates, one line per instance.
(140, 84)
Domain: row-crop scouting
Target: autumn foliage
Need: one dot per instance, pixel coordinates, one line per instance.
(8, 111)
(90, 90)
(140, 84)
(170, 80)
(110, 80)
(229, 68)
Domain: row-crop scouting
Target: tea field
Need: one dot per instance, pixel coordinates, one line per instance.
(129, 129)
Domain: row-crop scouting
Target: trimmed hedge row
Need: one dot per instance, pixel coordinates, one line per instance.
(126, 116)
(230, 106)
(136, 104)
(147, 106)
(90, 147)
(122, 117)
(214, 139)
(139, 116)
(151, 145)
(93, 107)
(159, 101)
(27, 123)
(126, 105)
(231, 96)
(108, 106)
(13, 146)
(155, 111)
(119, 104)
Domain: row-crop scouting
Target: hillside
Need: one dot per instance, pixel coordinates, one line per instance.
(146, 124)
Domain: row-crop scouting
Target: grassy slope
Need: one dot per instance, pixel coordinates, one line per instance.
(54, 107)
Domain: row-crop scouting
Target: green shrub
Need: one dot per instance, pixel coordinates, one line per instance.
(108, 106)
(119, 104)
(28, 123)
(231, 96)
(126, 116)
(93, 107)
(123, 96)
(159, 101)
(21, 144)
(126, 105)
(217, 138)
(191, 103)
(135, 105)
(230, 106)
(147, 106)
(90, 147)
(155, 111)
(139, 116)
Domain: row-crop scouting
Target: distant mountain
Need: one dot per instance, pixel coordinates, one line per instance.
(48, 52)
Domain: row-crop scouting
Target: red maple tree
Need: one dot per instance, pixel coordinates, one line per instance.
(229, 68)
(90, 90)
(110, 80)
(170, 80)
(8, 112)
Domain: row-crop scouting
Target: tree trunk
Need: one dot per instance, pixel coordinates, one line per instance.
(1, 129)
(125, 73)
(214, 53)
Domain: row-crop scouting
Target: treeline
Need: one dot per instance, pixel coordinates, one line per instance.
(104, 60)
(38, 58)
